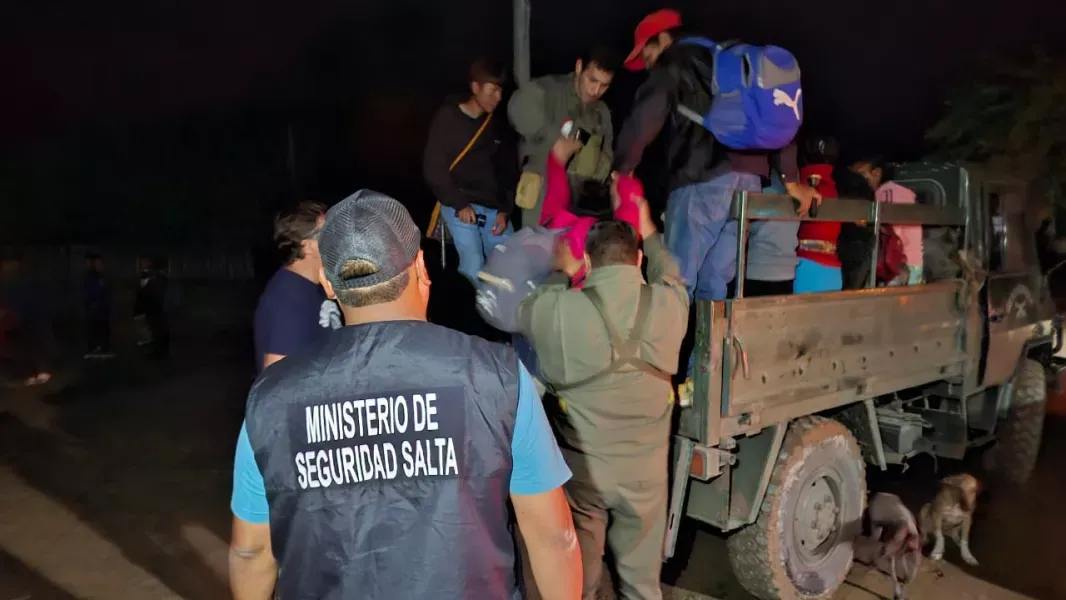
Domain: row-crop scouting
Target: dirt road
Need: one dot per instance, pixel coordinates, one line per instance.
(117, 488)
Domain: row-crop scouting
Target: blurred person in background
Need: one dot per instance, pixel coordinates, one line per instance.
(150, 305)
(25, 329)
(97, 298)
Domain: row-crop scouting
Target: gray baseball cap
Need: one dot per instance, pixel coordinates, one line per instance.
(367, 226)
(513, 270)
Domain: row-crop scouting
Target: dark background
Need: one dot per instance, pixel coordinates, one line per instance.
(133, 121)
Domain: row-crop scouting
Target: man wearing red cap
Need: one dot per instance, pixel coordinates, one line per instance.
(703, 173)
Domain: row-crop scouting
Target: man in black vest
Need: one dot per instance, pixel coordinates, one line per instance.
(384, 461)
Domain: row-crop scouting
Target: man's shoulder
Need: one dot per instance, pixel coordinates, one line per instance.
(559, 298)
(422, 342)
(551, 81)
(448, 110)
(603, 110)
(555, 84)
(276, 378)
(272, 292)
(286, 285)
(465, 343)
(293, 373)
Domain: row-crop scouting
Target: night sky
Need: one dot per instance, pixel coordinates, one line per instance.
(360, 80)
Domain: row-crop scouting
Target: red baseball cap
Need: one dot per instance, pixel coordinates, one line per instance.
(652, 25)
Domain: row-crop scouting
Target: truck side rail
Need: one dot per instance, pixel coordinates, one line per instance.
(750, 206)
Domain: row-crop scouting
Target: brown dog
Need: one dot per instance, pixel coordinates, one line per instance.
(894, 540)
(951, 511)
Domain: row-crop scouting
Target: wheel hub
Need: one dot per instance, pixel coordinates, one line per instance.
(817, 517)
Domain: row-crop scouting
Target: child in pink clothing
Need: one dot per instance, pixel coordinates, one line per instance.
(556, 214)
(911, 235)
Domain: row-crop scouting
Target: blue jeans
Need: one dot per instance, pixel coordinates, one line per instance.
(700, 235)
(772, 245)
(812, 278)
(473, 243)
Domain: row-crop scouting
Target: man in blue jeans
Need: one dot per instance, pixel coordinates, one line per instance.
(472, 169)
(703, 173)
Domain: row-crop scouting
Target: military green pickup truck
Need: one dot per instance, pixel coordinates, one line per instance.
(795, 395)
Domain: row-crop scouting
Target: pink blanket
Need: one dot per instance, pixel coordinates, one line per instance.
(556, 211)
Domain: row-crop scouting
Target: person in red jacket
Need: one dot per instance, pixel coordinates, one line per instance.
(818, 269)
(556, 211)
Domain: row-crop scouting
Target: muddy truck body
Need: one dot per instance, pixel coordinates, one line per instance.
(795, 396)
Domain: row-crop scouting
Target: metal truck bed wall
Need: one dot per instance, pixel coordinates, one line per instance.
(812, 352)
(787, 356)
(763, 361)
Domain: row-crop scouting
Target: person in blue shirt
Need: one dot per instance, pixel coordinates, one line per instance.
(286, 319)
(385, 461)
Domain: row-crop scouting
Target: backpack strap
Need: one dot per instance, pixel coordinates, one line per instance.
(624, 352)
(704, 71)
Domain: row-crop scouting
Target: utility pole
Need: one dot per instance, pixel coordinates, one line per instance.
(294, 177)
(521, 41)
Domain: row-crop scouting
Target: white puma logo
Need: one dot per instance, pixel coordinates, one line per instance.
(781, 98)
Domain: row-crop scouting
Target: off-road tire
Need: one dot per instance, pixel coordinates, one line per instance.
(1013, 458)
(759, 552)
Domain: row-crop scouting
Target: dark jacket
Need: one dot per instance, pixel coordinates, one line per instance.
(386, 457)
(693, 155)
(151, 296)
(97, 292)
(855, 243)
(486, 176)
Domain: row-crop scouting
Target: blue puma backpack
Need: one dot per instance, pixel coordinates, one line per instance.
(756, 97)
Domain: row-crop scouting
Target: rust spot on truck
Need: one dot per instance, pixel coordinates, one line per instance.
(858, 383)
(851, 339)
(809, 343)
(786, 349)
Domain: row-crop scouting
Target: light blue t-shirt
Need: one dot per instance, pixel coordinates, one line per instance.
(538, 466)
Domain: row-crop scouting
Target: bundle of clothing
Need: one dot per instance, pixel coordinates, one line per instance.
(572, 219)
(525, 260)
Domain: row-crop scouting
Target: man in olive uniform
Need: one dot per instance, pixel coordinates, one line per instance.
(538, 111)
(608, 351)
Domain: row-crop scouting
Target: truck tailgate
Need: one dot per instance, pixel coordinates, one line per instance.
(811, 352)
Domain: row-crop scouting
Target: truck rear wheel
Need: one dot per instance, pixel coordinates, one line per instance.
(799, 548)
(1013, 458)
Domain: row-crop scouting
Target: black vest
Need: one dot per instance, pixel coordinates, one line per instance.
(386, 454)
